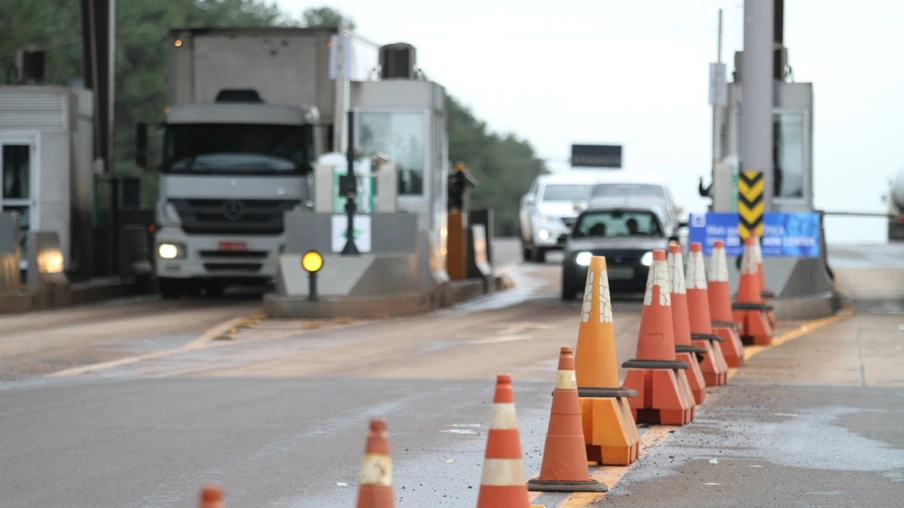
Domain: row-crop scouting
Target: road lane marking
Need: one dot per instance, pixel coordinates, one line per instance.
(194, 345)
(657, 434)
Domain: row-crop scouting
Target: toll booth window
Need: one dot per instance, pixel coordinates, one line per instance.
(566, 192)
(615, 223)
(788, 135)
(626, 190)
(402, 137)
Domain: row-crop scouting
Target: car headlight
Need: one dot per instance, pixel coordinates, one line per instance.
(170, 250)
(583, 258)
(543, 234)
(647, 259)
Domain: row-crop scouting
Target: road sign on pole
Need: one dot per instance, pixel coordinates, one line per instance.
(751, 206)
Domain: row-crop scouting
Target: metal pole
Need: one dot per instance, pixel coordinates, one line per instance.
(717, 110)
(339, 111)
(312, 287)
(350, 248)
(756, 94)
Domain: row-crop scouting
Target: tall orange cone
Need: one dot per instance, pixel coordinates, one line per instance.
(610, 433)
(765, 293)
(502, 483)
(211, 497)
(720, 307)
(749, 309)
(664, 395)
(713, 364)
(564, 467)
(375, 485)
(684, 349)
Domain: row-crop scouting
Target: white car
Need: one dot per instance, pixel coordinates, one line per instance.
(549, 209)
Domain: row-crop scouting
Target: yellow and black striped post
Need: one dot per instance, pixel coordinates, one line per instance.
(751, 203)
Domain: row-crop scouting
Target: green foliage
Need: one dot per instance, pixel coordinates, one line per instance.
(325, 17)
(503, 165)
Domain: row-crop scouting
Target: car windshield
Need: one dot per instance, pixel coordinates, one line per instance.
(618, 223)
(234, 148)
(628, 189)
(566, 192)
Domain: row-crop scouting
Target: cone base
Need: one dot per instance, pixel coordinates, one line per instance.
(503, 496)
(610, 434)
(732, 347)
(713, 366)
(537, 485)
(375, 496)
(695, 376)
(755, 327)
(665, 396)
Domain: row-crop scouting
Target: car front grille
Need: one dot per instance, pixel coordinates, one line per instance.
(233, 216)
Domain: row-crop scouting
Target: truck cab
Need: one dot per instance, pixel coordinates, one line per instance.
(229, 174)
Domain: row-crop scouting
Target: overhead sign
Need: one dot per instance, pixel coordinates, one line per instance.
(751, 203)
(795, 235)
(596, 156)
(361, 231)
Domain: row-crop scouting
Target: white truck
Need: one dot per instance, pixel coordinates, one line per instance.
(895, 200)
(242, 135)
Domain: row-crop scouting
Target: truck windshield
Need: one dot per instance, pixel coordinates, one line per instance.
(234, 148)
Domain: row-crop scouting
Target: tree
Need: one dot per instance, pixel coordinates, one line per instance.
(325, 17)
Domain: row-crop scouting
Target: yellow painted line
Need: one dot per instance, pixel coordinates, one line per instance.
(611, 475)
(807, 327)
(196, 344)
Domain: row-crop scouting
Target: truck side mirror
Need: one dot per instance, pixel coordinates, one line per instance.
(141, 144)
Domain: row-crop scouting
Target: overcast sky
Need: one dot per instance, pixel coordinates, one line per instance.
(635, 73)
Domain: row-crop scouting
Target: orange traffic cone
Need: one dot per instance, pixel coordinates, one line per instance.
(502, 483)
(684, 349)
(723, 323)
(610, 433)
(211, 497)
(564, 467)
(375, 484)
(766, 294)
(713, 364)
(659, 378)
(749, 309)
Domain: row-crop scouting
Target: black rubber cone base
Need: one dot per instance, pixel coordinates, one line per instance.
(536, 485)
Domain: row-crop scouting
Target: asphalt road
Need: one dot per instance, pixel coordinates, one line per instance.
(279, 415)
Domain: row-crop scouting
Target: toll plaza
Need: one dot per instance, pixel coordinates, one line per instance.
(405, 353)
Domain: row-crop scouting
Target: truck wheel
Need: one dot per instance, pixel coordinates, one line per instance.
(168, 288)
(568, 290)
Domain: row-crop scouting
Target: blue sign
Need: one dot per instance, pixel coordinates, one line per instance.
(794, 235)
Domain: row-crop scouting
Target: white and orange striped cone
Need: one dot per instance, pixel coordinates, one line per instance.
(685, 350)
(749, 308)
(720, 307)
(564, 467)
(713, 364)
(375, 484)
(211, 497)
(502, 482)
(664, 395)
(764, 292)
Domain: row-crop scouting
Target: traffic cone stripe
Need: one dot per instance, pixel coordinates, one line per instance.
(504, 417)
(748, 263)
(719, 269)
(566, 380)
(696, 270)
(377, 470)
(659, 277)
(503, 473)
(604, 305)
(676, 262)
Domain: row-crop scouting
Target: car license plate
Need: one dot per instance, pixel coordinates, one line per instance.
(233, 246)
(620, 273)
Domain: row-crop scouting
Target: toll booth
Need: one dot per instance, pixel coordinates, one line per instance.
(399, 134)
(46, 166)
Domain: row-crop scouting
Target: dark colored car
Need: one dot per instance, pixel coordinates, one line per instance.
(626, 236)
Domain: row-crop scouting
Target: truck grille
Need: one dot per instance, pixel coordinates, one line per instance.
(233, 216)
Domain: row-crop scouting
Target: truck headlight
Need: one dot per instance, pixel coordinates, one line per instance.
(583, 258)
(170, 250)
(647, 259)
